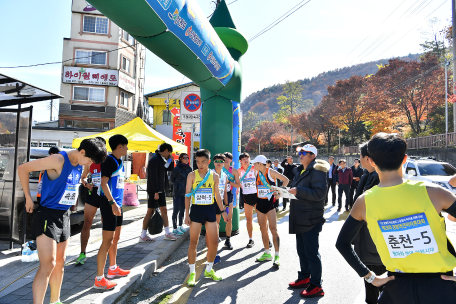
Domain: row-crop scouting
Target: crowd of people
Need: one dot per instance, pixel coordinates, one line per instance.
(396, 226)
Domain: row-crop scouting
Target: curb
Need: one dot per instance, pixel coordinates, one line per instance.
(142, 271)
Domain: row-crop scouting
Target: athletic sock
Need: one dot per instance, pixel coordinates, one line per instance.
(192, 268)
(209, 266)
(113, 267)
(143, 233)
(100, 277)
(267, 251)
(228, 238)
(276, 253)
(250, 239)
(166, 230)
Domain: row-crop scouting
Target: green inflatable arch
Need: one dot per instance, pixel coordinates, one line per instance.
(208, 52)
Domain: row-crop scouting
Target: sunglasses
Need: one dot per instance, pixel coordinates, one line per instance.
(219, 161)
(304, 153)
(185, 157)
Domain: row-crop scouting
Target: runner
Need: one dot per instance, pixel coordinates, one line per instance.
(51, 220)
(249, 192)
(266, 205)
(405, 221)
(91, 205)
(52, 151)
(233, 182)
(111, 195)
(219, 161)
(202, 186)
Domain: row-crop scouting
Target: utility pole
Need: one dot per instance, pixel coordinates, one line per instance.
(453, 35)
(51, 110)
(446, 103)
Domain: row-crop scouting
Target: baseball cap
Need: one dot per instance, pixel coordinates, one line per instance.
(259, 159)
(309, 148)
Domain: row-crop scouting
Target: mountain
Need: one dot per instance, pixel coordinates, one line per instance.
(316, 87)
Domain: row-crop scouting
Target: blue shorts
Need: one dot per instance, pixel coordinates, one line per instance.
(203, 213)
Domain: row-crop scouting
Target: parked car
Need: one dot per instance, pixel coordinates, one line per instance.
(429, 170)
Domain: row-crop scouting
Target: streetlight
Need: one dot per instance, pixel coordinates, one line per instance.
(446, 103)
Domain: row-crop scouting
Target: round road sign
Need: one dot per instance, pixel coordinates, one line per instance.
(192, 102)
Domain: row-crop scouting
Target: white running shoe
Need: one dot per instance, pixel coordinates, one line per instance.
(170, 237)
(146, 239)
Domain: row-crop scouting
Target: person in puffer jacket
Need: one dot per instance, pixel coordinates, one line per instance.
(179, 180)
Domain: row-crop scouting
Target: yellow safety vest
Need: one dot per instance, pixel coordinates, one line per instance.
(205, 194)
(408, 232)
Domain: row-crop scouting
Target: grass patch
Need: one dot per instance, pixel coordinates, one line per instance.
(164, 298)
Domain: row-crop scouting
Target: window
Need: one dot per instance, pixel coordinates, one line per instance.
(91, 57)
(89, 94)
(436, 169)
(95, 25)
(86, 124)
(124, 99)
(410, 167)
(127, 37)
(126, 64)
(166, 117)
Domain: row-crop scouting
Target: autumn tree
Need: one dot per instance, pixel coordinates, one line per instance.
(324, 114)
(412, 89)
(307, 125)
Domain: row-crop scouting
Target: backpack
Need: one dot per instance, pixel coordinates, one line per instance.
(155, 223)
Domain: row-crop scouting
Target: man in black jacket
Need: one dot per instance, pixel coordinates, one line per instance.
(364, 246)
(157, 178)
(332, 181)
(288, 168)
(357, 173)
(306, 218)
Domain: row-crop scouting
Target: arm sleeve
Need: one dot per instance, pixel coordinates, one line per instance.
(318, 190)
(361, 185)
(347, 234)
(451, 210)
(283, 164)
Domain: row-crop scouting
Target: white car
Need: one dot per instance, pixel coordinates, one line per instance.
(429, 170)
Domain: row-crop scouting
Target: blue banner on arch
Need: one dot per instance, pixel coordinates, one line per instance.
(186, 20)
(236, 140)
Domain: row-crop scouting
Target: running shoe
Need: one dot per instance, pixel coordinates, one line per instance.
(81, 259)
(182, 229)
(118, 272)
(250, 244)
(276, 261)
(191, 280)
(170, 237)
(265, 257)
(300, 283)
(228, 245)
(212, 275)
(217, 259)
(312, 291)
(104, 284)
(177, 232)
(146, 239)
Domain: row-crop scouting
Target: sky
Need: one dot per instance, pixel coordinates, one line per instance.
(322, 35)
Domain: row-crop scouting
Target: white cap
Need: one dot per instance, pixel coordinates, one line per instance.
(259, 159)
(309, 148)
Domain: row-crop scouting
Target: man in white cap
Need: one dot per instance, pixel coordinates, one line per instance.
(306, 219)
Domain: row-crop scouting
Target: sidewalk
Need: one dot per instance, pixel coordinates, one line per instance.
(142, 259)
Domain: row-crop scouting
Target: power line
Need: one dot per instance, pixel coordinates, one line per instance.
(280, 19)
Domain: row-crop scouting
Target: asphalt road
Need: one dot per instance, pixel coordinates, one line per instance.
(247, 281)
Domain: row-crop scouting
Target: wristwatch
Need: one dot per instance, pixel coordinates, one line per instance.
(112, 202)
(371, 278)
(222, 211)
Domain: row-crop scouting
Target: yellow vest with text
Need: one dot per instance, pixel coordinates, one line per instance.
(408, 224)
(209, 184)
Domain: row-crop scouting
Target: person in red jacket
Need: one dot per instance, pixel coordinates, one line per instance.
(345, 179)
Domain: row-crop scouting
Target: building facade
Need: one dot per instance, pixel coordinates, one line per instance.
(102, 74)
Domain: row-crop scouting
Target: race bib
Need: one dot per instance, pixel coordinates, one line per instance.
(121, 181)
(70, 195)
(228, 187)
(96, 179)
(263, 191)
(222, 192)
(203, 196)
(407, 235)
(249, 185)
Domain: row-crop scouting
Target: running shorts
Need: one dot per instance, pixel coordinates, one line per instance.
(110, 221)
(53, 223)
(203, 213)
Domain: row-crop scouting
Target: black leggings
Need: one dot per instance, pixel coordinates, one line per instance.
(178, 209)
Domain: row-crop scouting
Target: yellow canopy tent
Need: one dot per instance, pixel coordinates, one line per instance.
(141, 137)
